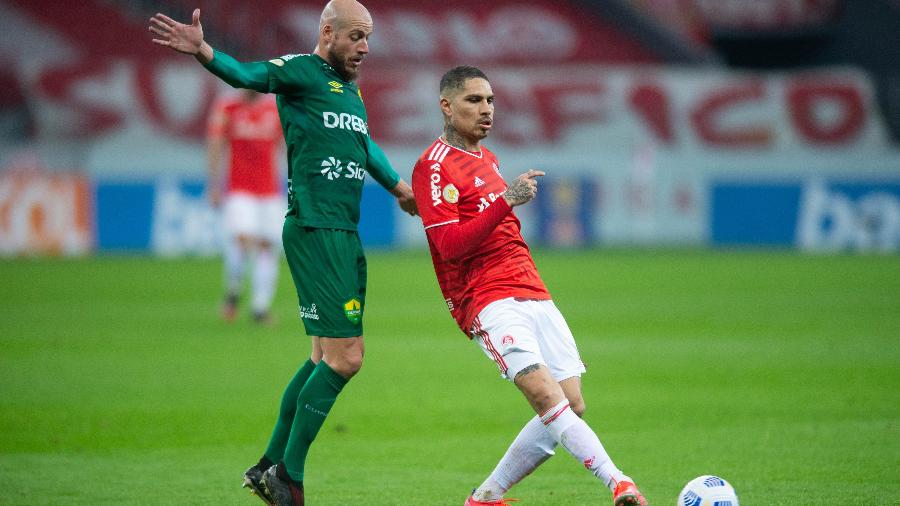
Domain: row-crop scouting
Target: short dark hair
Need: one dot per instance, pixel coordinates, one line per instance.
(455, 78)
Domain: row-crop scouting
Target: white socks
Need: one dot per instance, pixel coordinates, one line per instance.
(535, 444)
(530, 449)
(578, 439)
(234, 266)
(265, 276)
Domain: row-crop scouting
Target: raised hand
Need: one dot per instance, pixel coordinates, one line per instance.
(522, 189)
(183, 38)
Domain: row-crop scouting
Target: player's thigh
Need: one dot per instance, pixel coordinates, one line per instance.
(325, 266)
(556, 341)
(239, 214)
(504, 330)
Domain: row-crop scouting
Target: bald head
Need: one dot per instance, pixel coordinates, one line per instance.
(344, 31)
(342, 13)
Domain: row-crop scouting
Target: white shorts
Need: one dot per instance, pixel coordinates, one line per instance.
(259, 217)
(517, 333)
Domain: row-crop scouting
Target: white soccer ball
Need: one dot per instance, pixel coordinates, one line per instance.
(707, 490)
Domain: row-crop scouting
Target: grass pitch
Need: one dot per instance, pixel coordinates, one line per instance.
(780, 372)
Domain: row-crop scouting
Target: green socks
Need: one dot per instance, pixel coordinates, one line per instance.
(279, 439)
(312, 406)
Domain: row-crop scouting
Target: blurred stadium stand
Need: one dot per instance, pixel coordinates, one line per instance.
(660, 122)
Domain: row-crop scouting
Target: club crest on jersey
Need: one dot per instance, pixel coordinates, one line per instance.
(450, 194)
(335, 87)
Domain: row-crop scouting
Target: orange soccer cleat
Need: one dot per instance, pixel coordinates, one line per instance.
(627, 494)
(499, 502)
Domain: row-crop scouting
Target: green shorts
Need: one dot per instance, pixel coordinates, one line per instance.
(329, 271)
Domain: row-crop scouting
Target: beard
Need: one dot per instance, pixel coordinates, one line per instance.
(340, 65)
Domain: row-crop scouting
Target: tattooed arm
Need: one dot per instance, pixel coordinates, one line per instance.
(523, 189)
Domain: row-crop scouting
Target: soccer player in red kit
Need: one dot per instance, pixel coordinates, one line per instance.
(245, 126)
(495, 294)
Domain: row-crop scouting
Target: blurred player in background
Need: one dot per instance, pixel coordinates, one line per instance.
(330, 151)
(495, 294)
(243, 127)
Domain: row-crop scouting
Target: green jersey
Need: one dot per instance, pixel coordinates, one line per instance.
(327, 135)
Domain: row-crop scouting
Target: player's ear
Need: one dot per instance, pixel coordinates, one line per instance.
(327, 33)
(445, 106)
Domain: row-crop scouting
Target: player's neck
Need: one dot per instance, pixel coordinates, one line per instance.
(454, 138)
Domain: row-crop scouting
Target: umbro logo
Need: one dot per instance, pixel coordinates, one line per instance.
(478, 182)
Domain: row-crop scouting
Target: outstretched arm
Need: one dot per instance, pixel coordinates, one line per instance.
(188, 39)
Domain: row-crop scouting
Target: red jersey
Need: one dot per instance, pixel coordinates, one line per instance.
(253, 133)
(453, 186)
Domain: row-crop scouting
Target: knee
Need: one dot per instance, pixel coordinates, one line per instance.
(543, 399)
(577, 406)
(348, 365)
(353, 365)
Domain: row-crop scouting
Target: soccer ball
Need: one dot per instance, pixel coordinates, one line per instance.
(707, 491)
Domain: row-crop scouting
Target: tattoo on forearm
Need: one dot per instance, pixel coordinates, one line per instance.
(528, 370)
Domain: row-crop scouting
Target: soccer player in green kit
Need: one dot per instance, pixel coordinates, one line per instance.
(329, 152)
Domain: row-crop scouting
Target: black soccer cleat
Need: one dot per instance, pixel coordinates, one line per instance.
(279, 486)
(263, 318)
(253, 481)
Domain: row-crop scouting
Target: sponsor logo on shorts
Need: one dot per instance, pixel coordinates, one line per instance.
(508, 340)
(353, 310)
(309, 312)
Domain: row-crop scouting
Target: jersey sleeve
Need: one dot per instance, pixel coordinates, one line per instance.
(379, 167)
(251, 75)
(289, 74)
(436, 195)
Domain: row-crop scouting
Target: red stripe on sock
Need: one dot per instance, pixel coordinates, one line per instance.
(555, 415)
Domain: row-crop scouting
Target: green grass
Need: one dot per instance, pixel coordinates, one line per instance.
(780, 372)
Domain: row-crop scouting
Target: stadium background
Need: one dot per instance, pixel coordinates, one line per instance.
(707, 137)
